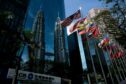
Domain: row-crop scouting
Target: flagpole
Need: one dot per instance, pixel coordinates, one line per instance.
(95, 74)
(116, 66)
(121, 60)
(92, 61)
(96, 49)
(124, 61)
(100, 60)
(108, 54)
(112, 64)
(108, 66)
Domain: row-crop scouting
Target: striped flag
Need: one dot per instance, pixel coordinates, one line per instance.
(67, 21)
(93, 31)
(77, 25)
(104, 42)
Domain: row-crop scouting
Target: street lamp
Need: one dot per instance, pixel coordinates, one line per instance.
(18, 63)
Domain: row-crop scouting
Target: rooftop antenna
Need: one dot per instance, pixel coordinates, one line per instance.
(58, 18)
(80, 8)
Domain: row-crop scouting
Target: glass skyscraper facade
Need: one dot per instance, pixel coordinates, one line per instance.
(38, 52)
(59, 43)
(51, 10)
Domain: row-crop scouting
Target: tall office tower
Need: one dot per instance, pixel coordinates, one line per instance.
(59, 43)
(12, 16)
(107, 24)
(50, 15)
(38, 39)
(77, 56)
(50, 18)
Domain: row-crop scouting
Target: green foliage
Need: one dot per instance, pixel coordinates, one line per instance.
(106, 1)
(118, 11)
(111, 25)
(28, 35)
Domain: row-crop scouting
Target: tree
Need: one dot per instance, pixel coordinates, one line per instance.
(118, 11)
(10, 41)
(111, 26)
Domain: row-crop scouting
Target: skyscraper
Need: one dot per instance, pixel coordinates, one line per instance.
(77, 58)
(50, 15)
(59, 43)
(38, 40)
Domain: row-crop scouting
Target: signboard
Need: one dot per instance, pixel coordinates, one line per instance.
(25, 75)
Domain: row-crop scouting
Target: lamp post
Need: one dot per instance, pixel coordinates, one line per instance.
(18, 64)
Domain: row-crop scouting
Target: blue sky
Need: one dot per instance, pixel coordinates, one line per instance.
(70, 7)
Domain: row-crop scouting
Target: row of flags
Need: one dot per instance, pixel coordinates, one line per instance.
(87, 26)
(83, 25)
(114, 52)
(107, 45)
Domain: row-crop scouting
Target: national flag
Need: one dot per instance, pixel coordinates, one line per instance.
(82, 32)
(96, 32)
(77, 25)
(120, 54)
(104, 42)
(93, 31)
(67, 21)
(108, 47)
(86, 21)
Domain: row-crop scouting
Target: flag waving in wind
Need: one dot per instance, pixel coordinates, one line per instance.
(78, 24)
(67, 21)
(105, 41)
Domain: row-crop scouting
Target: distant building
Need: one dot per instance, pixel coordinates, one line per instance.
(38, 51)
(59, 43)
